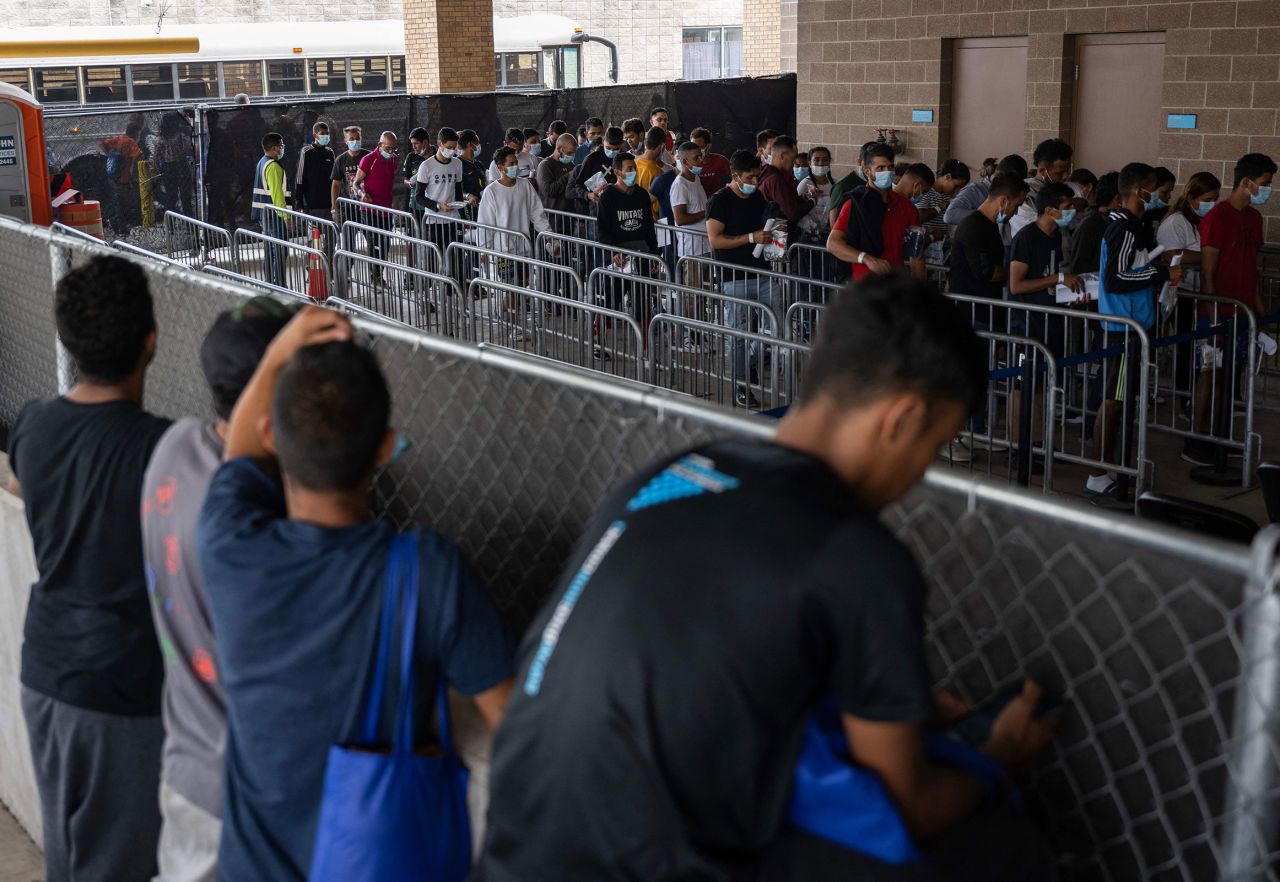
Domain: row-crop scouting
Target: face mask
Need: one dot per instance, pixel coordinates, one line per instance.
(820, 171)
(567, 160)
(610, 154)
(768, 159)
(800, 173)
(280, 155)
(1068, 215)
(386, 154)
(353, 145)
(323, 140)
(1154, 203)
(747, 189)
(446, 153)
(1000, 218)
(1204, 208)
(884, 179)
(1261, 197)
(630, 178)
(477, 151)
(535, 149)
(510, 171)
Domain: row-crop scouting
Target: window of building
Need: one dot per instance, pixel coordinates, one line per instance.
(152, 82)
(241, 76)
(712, 52)
(568, 69)
(369, 74)
(286, 77)
(519, 70)
(397, 72)
(328, 75)
(56, 85)
(105, 85)
(16, 77)
(198, 80)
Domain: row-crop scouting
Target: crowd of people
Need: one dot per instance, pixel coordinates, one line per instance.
(205, 654)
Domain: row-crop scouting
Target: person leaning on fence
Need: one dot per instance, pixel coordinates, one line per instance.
(311, 186)
(195, 708)
(1231, 236)
(91, 666)
(295, 567)
(555, 173)
(685, 681)
(868, 235)
(269, 190)
(345, 168)
(735, 230)
(1127, 286)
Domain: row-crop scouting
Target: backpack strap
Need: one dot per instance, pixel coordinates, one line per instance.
(390, 602)
(404, 552)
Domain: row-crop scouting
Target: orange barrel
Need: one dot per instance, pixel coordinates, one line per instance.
(83, 216)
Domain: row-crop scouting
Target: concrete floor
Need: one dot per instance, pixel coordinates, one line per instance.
(20, 860)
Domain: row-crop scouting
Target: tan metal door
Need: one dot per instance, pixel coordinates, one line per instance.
(988, 98)
(1119, 78)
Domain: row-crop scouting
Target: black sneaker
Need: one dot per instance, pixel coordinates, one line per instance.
(744, 398)
(600, 355)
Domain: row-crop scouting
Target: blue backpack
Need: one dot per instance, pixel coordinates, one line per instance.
(395, 814)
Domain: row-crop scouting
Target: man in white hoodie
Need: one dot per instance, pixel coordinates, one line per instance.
(511, 203)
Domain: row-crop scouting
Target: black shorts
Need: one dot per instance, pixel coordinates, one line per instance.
(1038, 326)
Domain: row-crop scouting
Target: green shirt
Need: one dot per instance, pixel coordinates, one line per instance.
(849, 182)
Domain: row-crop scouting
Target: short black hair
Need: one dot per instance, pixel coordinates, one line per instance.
(1051, 195)
(501, 154)
(1134, 175)
(594, 121)
(956, 169)
(862, 151)
(620, 157)
(516, 135)
(1164, 176)
(921, 171)
(1051, 151)
(784, 141)
(819, 149)
(687, 147)
(1253, 165)
(764, 136)
(1083, 177)
(891, 334)
(1011, 186)
(467, 137)
(532, 133)
(703, 133)
(104, 314)
(658, 110)
(743, 161)
(613, 135)
(320, 124)
(1107, 189)
(559, 127)
(419, 134)
(635, 125)
(271, 140)
(1013, 164)
(446, 134)
(347, 130)
(874, 149)
(655, 138)
(329, 416)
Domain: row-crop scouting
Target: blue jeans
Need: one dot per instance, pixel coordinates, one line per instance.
(274, 257)
(761, 290)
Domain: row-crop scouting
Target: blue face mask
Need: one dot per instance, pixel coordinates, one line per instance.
(1000, 218)
(353, 145)
(510, 171)
(800, 173)
(1068, 215)
(747, 189)
(322, 140)
(566, 160)
(385, 154)
(884, 179)
(535, 149)
(1155, 203)
(610, 154)
(630, 179)
(1204, 208)
(1261, 197)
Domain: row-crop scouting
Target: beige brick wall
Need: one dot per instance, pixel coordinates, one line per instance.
(864, 64)
(448, 46)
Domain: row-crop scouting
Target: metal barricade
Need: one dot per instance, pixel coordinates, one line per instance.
(1091, 359)
(282, 263)
(697, 242)
(320, 233)
(807, 261)
(568, 223)
(1207, 361)
(695, 303)
(584, 255)
(412, 297)
(802, 321)
(443, 230)
(75, 233)
(266, 287)
(128, 248)
(390, 219)
(195, 243)
(735, 280)
(464, 262)
(398, 248)
(748, 371)
(570, 332)
(1268, 383)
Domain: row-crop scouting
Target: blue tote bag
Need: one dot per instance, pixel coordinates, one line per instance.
(394, 814)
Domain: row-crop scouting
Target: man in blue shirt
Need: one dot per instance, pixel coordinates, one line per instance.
(595, 131)
(295, 576)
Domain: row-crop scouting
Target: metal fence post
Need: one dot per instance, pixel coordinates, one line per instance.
(60, 265)
(1251, 832)
(201, 197)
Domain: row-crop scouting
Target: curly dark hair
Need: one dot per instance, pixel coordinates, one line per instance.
(104, 314)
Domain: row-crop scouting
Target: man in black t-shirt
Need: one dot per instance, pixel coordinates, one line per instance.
(91, 665)
(977, 249)
(663, 693)
(345, 168)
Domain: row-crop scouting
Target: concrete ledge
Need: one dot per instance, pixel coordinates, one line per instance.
(17, 573)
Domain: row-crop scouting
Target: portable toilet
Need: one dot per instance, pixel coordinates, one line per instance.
(24, 169)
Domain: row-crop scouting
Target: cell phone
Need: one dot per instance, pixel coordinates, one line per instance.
(975, 729)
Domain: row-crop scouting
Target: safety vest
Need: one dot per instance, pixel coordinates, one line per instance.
(261, 194)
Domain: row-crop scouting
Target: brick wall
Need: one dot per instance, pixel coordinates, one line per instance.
(864, 64)
(448, 46)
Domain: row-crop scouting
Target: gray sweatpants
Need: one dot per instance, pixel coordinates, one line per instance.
(98, 775)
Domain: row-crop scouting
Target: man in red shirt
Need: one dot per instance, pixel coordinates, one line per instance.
(1230, 238)
(715, 166)
(778, 182)
(868, 235)
(375, 179)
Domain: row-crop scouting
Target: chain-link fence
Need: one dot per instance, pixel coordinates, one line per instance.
(1165, 648)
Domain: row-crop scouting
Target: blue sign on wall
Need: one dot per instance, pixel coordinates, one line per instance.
(924, 116)
(1182, 121)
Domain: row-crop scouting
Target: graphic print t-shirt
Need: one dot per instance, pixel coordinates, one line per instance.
(439, 182)
(661, 699)
(344, 171)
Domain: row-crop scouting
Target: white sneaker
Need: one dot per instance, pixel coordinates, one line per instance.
(517, 335)
(956, 451)
(1097, 485)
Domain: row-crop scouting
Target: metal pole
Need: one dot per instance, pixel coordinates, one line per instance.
(1252, 821)
(60, 265)
(200, 147)
(1026, 449)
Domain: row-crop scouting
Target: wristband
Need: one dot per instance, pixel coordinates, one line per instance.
(862, 258)
(1062, 278)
